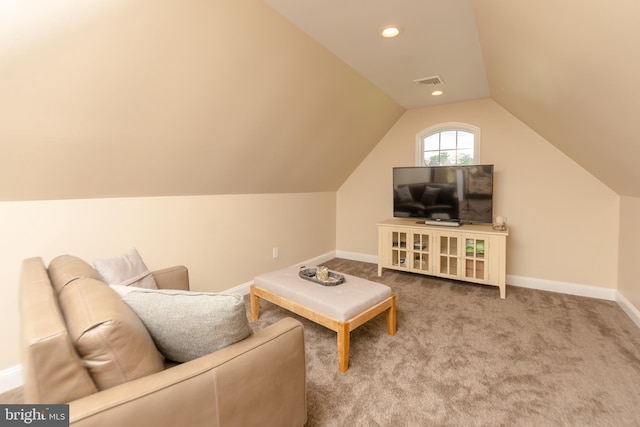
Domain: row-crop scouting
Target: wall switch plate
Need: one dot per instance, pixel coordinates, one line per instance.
(275, 252)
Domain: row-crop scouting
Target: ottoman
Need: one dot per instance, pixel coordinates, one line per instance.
(341, 308)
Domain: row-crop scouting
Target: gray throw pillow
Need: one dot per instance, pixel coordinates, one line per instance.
(187, 325)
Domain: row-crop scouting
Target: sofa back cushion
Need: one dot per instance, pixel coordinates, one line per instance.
(112, 341)
(52, 371)
(67, 268)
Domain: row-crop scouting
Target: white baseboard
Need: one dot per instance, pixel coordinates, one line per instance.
(244, 287)
(562, 287)
(319, 259)
(240, 289)
(628, 308)
(355, 256)
(579, 290)
(11, 378)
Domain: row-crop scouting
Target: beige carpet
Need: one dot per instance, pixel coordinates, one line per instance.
(464, 357)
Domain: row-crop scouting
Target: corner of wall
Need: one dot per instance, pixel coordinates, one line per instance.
(628, 308)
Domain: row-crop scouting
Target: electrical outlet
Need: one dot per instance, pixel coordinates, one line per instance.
(275, 252)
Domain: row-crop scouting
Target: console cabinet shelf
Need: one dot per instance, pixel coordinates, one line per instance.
(472, 252)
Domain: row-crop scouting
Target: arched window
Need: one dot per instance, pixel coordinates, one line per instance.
(449, 144)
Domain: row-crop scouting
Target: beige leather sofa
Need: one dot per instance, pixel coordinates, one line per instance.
(259, 381)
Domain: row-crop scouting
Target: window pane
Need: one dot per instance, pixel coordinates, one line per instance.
(447, 157)
(465, 157)
(465, 139)
(448, 140)
(432, 158)
(432, 142)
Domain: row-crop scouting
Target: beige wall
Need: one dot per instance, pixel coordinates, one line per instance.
(628, 282)
(563, 222)
(224, 240)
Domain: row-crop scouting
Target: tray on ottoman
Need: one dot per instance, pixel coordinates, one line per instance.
(334, 278)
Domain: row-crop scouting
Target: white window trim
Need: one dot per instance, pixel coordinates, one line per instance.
(444, 127)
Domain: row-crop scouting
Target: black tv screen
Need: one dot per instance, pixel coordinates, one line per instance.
(462, 193)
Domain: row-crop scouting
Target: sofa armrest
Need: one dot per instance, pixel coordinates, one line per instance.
(255, 382)
(172, 278)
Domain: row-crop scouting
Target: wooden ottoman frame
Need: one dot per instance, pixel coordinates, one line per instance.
(343, 328)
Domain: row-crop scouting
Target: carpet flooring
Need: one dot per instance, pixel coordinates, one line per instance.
(464, 357)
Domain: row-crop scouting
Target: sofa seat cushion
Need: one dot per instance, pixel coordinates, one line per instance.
(187, 325)
(112, 341)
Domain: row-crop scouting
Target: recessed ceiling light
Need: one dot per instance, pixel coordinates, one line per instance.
(390, 31)
(437, 93)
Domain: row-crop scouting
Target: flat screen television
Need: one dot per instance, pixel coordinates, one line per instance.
(456, 193)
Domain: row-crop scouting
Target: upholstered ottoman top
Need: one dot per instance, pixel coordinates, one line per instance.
(341, 302)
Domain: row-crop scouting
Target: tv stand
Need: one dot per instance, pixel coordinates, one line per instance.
(472, 253)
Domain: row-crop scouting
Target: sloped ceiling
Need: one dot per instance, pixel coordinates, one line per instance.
(144, 98)
(571, 71)
(156, 98)
(568, 69)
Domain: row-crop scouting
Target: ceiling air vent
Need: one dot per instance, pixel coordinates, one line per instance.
(429, 81)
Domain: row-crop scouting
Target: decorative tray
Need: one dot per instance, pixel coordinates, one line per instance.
(334, 279)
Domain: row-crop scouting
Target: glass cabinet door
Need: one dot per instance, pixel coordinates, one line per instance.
(448, 255)
(399, 248)
(421, 252)
(475, 260)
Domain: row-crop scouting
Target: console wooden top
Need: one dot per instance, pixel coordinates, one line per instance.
(464, 228)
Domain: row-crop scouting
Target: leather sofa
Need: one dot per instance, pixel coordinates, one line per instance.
(260, 380)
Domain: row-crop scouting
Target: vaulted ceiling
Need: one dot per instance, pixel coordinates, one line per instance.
(568, 69)
(145, 98)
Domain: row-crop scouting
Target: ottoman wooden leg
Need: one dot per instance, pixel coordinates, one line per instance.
(343, 347)
(255, 305)
(391, 317)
